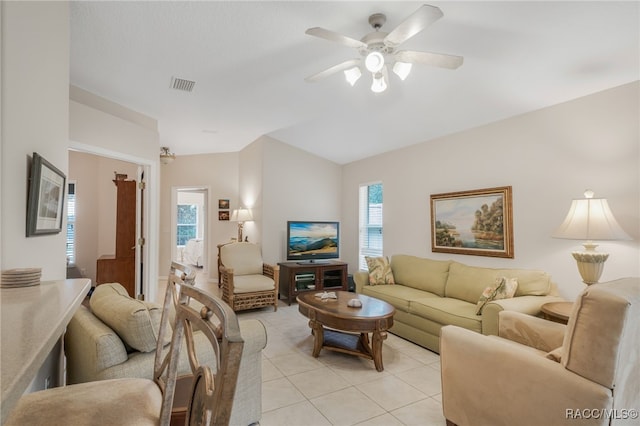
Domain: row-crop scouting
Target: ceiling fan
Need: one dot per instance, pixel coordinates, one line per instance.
(379, 48)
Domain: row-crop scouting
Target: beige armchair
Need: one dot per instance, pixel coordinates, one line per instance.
(543, 373)
(247, 282)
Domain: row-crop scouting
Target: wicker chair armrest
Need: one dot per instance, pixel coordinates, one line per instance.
(273, 272)
(269, 270)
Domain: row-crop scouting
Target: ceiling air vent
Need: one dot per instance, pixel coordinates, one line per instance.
(182, 84)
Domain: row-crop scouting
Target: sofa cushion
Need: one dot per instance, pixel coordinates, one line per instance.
(504, 288)
(468, 282)
(379, 270)
(420, 273)
(135, 321)
(397, 295)
(446, 311)
(251, 283)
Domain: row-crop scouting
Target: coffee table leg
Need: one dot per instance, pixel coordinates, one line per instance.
(376, 348)
(318, 337)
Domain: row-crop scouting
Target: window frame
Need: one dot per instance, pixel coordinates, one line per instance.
(370, 224)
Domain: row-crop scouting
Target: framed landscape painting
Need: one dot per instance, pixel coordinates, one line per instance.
(477, 222)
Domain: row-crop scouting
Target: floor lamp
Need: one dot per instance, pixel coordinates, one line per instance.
(590, 219)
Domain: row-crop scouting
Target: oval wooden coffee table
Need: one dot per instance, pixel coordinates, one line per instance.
(335, 326)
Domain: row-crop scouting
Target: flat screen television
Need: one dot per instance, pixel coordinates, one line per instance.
(311, 242)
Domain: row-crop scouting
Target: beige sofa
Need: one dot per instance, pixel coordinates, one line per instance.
(125, 347)
(429, 294)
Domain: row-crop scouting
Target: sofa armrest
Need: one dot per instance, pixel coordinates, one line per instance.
(254, 335)
(531, 331)
(472, 364)
(90, 346)
(525, 304)
(361, 279)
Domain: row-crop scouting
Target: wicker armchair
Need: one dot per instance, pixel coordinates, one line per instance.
(246, 281)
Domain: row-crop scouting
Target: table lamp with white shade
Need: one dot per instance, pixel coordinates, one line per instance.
(241, 216)
(590, 219)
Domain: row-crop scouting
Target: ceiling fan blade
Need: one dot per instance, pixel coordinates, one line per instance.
(334, 69)
(416, 22)
(333, 36)
(428, 58)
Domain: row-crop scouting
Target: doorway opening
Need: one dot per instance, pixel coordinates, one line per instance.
(189, 227)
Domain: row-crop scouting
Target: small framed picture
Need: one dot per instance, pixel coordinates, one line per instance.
(223, 215)
(45, 204)
(223, 204)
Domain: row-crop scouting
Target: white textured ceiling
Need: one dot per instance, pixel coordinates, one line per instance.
(249, 61)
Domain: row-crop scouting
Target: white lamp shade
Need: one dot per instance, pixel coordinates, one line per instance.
(374, 62)
(590, 219)
(241, 215)
(352, 75)
(402, 69)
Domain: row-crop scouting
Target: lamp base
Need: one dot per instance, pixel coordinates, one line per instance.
(590, 265)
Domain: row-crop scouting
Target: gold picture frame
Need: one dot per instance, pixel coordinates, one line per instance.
(477, 222)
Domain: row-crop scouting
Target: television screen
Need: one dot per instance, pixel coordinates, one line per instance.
(310, 241)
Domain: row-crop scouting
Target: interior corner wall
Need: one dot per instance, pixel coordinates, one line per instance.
(251, 186)
(297, 185)
(216, 172)
(549, 157)
(35, 118)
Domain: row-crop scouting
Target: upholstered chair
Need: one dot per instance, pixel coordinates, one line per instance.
(246, 281)
(537, 372)
(138, 401)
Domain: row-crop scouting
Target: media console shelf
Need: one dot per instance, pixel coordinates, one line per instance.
(298, 277)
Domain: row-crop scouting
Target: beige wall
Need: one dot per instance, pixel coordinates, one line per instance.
(35, 117)
(95, 206)
(218, 173)
(296, 186)
(276, 181)
(101, 127)
(34, 39)
(548, 156)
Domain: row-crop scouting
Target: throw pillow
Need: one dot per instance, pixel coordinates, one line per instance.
(379, 271)
(504, 288)
(135, 321)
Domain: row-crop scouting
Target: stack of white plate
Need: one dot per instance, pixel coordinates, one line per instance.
(22, 277)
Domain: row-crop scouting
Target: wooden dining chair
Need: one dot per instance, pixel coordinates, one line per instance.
(144, 401)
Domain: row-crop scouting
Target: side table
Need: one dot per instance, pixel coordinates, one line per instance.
(557, 311)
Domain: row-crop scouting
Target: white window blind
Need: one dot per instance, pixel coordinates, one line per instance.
(71, 223)
(370, 223)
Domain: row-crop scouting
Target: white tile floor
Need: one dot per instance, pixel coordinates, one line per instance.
(339, 389)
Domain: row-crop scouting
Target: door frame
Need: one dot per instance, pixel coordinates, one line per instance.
(206, 190)
(149, 253)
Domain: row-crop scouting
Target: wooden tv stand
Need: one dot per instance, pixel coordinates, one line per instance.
(301, 277)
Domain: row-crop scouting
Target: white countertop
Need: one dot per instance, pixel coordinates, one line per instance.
(32, 319)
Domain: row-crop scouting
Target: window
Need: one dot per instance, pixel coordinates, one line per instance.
(187, 223)
(370, 223)
(71, 222)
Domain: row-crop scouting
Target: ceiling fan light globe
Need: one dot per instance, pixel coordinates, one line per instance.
(352, 75)
(374, 62)
(402, 69)
(379, 85)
